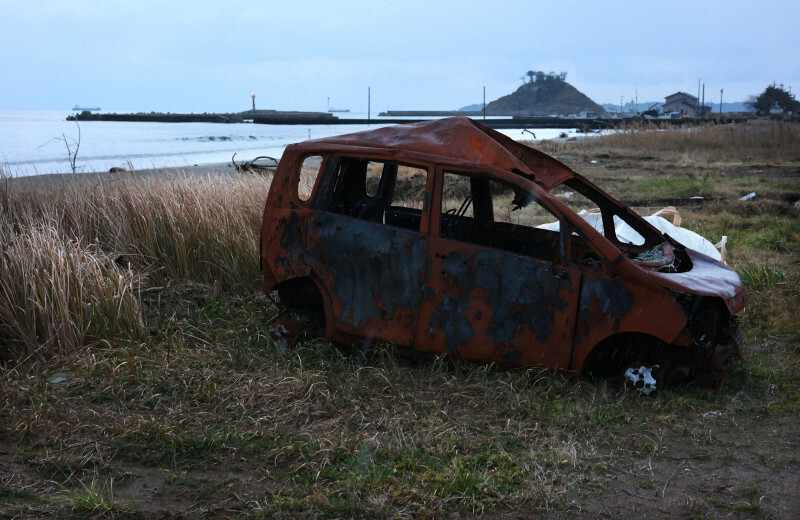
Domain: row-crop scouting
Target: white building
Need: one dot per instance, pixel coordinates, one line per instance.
(683, 103)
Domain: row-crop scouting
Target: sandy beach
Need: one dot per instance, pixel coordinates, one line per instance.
(35, 182)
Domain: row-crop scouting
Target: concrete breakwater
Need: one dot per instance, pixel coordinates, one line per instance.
(275, 117)
(266, 116)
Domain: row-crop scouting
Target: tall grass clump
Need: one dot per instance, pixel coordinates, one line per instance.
(172, 228)
(74, 251)
(56, 295)
(764, 141)
(204, 230)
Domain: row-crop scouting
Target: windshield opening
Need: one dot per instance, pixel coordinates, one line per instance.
(626, 230)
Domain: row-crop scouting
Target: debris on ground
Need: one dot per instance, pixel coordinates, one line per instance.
(642, 379)
(284, 333)
(262, 165)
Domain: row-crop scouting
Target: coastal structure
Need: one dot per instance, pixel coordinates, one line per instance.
(682, 103)
(589, 121)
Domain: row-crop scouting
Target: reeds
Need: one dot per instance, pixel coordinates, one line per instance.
(762, 141)
(74, 255)
(56, 295)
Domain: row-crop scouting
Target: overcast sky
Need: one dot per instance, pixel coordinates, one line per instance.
(197, 56)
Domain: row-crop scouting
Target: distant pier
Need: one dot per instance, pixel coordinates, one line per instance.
(276, 117)
(431, 113)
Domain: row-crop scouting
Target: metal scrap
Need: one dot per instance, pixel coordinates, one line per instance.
(254, 167)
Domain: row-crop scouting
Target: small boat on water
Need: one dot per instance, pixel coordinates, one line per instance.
(338, 110)
(81, 109)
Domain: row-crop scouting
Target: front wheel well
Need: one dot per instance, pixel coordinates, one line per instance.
(611, 356)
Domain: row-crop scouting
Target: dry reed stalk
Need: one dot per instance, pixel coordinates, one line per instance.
(184, 228)
(72, 254)
(56, 295)
(767, 141)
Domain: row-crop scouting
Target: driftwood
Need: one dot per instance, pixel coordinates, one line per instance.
(252, 167)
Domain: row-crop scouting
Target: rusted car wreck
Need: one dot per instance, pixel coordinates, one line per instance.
(449, 237)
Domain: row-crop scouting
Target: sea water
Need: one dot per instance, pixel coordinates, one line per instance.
(39, 142)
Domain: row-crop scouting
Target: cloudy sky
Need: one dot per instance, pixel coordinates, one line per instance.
(196, 56)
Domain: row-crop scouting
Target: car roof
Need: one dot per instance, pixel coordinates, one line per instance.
(462, 141)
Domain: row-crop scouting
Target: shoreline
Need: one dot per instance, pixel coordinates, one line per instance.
(28, 182)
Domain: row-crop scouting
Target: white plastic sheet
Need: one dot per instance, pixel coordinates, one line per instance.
(628, 235)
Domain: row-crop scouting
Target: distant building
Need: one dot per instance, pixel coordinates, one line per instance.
(681, 102)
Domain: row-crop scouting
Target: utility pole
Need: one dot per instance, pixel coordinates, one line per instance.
(484, 102)
(703, 104)
(329, 103)
(698, 88)
(720, 101)
(369, 103)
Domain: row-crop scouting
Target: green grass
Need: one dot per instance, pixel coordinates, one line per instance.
(96, 501)
(13, 496)
(760, 277)
(685, 187)
(187, 386)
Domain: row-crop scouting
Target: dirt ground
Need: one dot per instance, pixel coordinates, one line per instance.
(693, 461)
(724, 466)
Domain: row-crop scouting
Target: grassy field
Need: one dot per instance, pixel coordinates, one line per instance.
(139, 380)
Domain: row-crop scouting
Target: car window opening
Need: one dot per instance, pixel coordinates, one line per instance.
(487, 212)
(377, 191)
(628, 234)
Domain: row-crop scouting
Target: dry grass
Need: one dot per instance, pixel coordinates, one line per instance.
(186, 405)
(57, 295)
(747, 142)
(74, 255)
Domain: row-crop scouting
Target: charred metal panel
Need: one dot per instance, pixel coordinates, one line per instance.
(283, 225)
(611, 295)
(614, 306)
(373, 273)
(283, 245)
(290, 230)
(488, 305)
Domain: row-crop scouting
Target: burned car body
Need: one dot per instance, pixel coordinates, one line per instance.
(438, 237)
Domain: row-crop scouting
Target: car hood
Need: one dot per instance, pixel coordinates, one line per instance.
(707, 277)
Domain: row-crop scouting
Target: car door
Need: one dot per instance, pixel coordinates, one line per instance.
(496, 290)
(365, 245)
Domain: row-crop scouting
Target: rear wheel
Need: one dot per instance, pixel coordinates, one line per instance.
(301, 297)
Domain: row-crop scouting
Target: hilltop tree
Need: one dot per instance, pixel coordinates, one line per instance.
(774, 95)
(538, 76)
